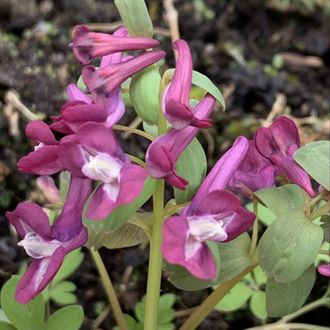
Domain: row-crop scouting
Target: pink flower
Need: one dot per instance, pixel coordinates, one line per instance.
(214, 214)
(255, 172)
(44, 159)
(93, 152)
(176, 105)
(107, 79)
(324, 270)
(163, 152)
(46, 244)
(87, 45)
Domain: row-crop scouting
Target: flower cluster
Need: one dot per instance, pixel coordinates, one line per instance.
(89, 150)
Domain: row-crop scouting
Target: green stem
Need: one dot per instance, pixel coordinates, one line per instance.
(288, 326)
(133, 131)
(155, 260)
(109, 289)
(324, 209)
(208, 304)
(307, 308)
(255, 230)
(318, 198)
(137, 160)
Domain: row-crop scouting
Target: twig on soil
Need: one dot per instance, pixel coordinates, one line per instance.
(101, 318)
(185, 312)
(301, 60)
(12, 97)
(171, 16)
(278, 108)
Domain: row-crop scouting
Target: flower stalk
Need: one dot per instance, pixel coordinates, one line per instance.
(109, 289)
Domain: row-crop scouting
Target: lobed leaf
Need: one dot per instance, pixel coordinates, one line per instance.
(289, 246)
(314, 158)
(68, 318)
(286, 298)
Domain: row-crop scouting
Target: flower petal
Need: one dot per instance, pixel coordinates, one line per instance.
(29, 217)
(43, 161)
(201, 263)
(40, 132)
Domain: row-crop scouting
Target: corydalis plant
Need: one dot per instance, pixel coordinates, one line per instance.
(205, 237)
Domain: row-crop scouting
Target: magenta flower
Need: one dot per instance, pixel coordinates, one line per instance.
(107, 79)
(214, 214)
(87, 45)
(163, 153)
(46, 244)
(255, 172)
(324, 270)
(44, 159)
(278, 143)
(176, 106)
(95, 153)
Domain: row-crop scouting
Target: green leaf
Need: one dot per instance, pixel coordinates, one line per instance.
(71, 263)
(192, 165)
(184, 280)
(68, 318)
(259, 276)
(130, 234)
(265, 215)
(235, 298)
(63, 294)
(24, 317)
(165, 316)
(325, 219)
(258, 304)
(234, 257)
(285, 298)
(203, 82)
(135, 16)
(121, 214)
(6, 326)
(314, 158)
(280, 200)
(167, 300)
(143, 91)
(130, 322)
(289, 246)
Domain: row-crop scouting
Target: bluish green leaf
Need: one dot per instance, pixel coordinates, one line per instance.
(24, 317)
(258, 304)
(203, 82)
(135, 16)
(184, 280)
(280, 200)
(265, 215)
(314, 158)
(121, 214)
(235, 299)
(325, 219)
(68, 318)
(192, 165)
(289, 246)
(234, 257)
(286, 298)
(143, 91)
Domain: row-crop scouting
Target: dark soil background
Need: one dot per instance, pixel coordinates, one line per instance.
(256, 51)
